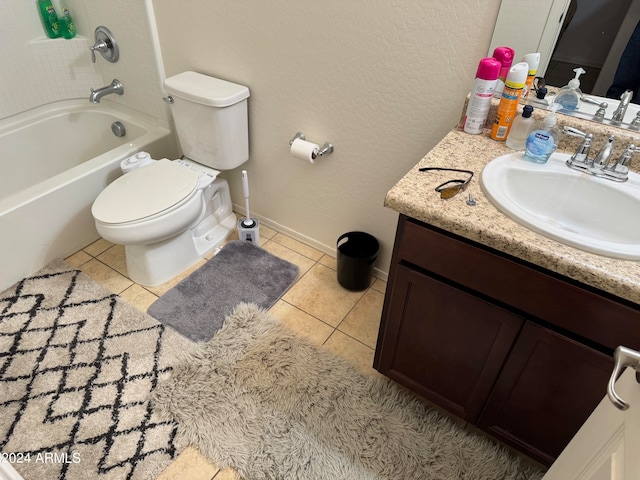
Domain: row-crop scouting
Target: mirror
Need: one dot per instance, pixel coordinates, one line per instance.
(569, 33)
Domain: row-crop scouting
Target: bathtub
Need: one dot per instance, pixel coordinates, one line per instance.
(54, 161)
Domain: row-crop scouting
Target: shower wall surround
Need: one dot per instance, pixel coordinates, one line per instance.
(37, 70)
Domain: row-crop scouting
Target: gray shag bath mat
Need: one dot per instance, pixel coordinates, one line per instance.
(271, 405)
(239, 272)
(77, 364)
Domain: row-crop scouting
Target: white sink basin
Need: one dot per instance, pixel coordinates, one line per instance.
(578, 209)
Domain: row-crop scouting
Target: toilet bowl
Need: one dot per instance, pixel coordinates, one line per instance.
(167, 214)
(170, 214)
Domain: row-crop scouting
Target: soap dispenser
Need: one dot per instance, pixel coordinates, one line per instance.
(568, 97)
(538, 100)
(521, 128)
(543, 142)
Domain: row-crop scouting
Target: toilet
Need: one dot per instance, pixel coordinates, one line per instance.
(169, 214)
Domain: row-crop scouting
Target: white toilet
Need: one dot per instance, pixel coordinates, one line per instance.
(169, 214)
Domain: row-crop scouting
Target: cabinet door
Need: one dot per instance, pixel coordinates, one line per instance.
(547, 389)
(443, 343)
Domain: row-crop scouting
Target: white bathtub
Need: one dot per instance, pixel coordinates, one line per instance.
(54, 161)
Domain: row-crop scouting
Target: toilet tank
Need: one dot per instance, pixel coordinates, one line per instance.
(210, 116)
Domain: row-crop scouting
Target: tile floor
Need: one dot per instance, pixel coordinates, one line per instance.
(316, 307)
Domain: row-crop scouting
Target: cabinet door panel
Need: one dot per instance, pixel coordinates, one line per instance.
(566, 305)
(443, 343)
(547, 389)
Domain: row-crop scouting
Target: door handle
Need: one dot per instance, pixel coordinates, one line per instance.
(624, 357)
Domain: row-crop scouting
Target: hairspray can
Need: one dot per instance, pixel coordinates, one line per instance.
(505, 56)
(480, 99)
(508, 105)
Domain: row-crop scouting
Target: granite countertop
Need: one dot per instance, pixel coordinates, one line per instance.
(415, 197)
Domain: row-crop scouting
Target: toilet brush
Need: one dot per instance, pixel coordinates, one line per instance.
(248, 228)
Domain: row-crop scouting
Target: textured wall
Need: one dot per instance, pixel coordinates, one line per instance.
(384, 81)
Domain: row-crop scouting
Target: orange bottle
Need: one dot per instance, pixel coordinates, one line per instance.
(508, 105)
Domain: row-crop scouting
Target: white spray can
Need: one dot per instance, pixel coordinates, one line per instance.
(533, 60)
(481, 94)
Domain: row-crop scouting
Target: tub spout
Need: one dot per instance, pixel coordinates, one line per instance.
(114, 87)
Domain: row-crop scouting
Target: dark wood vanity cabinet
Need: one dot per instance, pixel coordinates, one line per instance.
(520, 352)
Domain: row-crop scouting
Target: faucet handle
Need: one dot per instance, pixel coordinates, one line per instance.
(99, 46)
(602, 107)
(619, 171)
(575, 132)
(580, 159)
(105, 43)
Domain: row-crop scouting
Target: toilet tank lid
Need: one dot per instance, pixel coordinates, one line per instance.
(205, 90)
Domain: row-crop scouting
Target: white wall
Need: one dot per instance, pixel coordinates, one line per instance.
(383, 81)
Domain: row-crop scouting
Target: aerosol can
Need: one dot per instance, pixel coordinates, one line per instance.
(248, 228)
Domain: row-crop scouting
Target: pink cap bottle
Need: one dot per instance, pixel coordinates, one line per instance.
(505, 56)
(481, 94)
(488, 69)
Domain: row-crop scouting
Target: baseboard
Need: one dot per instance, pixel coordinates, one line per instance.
(326, 249)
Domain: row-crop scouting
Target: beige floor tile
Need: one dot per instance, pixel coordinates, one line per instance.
(190, 465)
(97, 247)
(297, 246)
(106, 276)
(266, 232)
(351, 350)
(139, 297)
(280, 251)
(78, 258)
(114, 257)
(302, 323)
(363, 322)
(319, 294)
(379, 286)
(329, 261)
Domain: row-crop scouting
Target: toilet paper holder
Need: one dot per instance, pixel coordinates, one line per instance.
(326, 148)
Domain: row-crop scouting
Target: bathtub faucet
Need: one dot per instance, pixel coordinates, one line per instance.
(115, 87)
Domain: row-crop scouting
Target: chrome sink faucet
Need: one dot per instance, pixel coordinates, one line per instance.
(601, 165)
(115, 87)
(625, 98)
(601, 160)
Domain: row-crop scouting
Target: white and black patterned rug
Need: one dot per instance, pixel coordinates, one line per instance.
(77, 364)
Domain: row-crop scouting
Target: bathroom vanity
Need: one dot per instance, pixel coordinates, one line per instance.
(505, 328)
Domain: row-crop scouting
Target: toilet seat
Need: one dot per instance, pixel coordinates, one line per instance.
(145, 193)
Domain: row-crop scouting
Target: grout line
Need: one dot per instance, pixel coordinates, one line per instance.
(350, 336)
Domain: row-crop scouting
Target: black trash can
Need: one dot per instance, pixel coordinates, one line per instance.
(357, 252)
